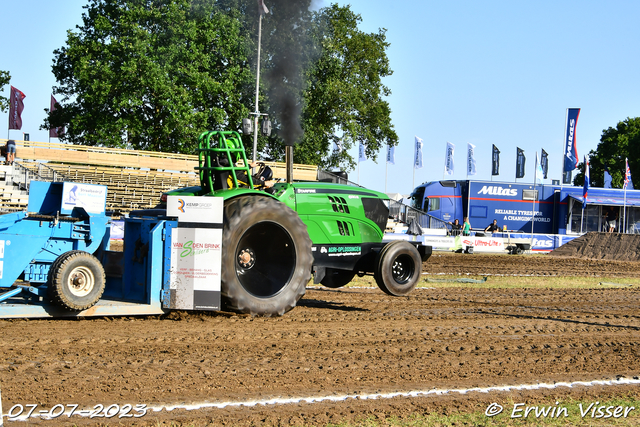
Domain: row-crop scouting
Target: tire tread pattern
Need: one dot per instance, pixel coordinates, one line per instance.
(55, 281)
(241, 213)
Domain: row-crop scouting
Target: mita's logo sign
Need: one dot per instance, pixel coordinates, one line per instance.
(572, 126)
(498, 191)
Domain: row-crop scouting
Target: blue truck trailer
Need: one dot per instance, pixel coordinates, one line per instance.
(553, 213)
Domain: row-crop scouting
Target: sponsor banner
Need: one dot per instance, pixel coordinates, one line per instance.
(495, 161)
(543, 242)
(391, 154)
(117, 229)
(471, 159)
(195, 209)
(417, 158)
(497, 243)
(362, 156)
(511, 205)
(544, 162)
(570, 147)
(443, 242)
(91, 197)
(448, 159)
(340, 250)
(196, 252)
(196, 257)
(520, 163)
(16, 106)
(498, 190)
(484, 244)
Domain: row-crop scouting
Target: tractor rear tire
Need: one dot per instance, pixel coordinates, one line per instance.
(266, 256)
(335, 278)
(398, 268)
(76, 281)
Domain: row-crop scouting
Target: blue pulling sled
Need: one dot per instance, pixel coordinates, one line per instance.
(55, 259)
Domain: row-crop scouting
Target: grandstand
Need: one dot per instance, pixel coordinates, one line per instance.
(135, 179)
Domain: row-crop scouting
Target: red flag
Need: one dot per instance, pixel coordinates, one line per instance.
(262, 7)
(627, 175)
(15, 108)
(55, 132)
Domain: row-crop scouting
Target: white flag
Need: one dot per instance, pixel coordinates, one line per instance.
(448, 159)
(363, 155)
(471, 159)
(391, 154)
(417, 160)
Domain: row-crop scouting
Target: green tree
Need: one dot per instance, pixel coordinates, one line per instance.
(4, 80)
(616, 145)
(344, 99)
(150, 74)
(153, 74)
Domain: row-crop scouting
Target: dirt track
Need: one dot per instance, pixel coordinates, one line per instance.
(339, 342)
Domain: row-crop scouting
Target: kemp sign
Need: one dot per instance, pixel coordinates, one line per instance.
(511, 205)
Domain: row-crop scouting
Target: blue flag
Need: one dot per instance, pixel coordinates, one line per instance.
(585, 188)
(520, 161)
(570, 147)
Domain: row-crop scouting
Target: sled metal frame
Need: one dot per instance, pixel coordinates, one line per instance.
(23, 302)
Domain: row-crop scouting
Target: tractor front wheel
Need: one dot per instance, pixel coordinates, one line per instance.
(398, 268)
(266, 256)
(76, 280)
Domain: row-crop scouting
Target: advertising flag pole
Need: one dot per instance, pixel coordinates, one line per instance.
(564, 136)
(533, 213)
(386, 172)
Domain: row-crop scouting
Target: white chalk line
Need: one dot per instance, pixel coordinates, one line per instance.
(375, 396)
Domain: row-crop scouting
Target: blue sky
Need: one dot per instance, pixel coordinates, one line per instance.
(494, 72)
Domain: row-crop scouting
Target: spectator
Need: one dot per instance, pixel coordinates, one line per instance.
(11, 152)
(493, 227)
(466, 227)
(613, 216)
(456, 227)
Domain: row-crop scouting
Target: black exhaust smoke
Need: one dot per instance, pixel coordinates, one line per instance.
(288, 36)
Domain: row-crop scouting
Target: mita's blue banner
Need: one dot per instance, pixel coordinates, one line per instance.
(570, 147)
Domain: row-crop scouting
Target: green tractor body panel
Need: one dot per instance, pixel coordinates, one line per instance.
(339, 214)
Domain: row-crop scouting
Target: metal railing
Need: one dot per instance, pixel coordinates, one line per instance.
(405, 214)
(22, 176)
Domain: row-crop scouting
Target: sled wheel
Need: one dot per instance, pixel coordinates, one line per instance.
(76, 280)
(398, 268)
(335, 278)
(266, 256)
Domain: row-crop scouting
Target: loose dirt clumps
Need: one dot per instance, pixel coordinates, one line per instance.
(337, 342)
(613, 246)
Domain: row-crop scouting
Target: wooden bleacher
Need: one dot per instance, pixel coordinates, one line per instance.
(135, 179)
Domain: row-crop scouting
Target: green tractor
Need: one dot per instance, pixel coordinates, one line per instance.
(275, 238)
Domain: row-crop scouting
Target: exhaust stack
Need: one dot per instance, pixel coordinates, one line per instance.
(289, 160)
